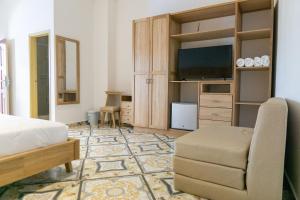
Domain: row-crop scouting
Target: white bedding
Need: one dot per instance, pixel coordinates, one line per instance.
(22, 134)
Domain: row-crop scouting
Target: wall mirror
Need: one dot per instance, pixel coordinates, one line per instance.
(68, 68)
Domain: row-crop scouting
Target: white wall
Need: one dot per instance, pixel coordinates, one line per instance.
(287, 82)
(6, 8)
(25, 17)
(74, 19)
(102, 36)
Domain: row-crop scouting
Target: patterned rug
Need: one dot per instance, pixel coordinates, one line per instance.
(115, 164)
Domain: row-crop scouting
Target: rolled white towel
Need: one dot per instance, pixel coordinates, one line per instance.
(249, 62)
(257, 62)
(265, 60)
(240, 62)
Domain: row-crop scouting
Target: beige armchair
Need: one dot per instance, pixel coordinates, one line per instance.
(232, 163)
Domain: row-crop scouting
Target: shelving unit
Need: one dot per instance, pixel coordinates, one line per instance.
(244, 45)
(246, 40)
(232, 102)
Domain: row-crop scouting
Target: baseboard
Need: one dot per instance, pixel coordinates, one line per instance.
(290, 185)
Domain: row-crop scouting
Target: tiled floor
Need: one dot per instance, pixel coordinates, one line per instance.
(115, 165)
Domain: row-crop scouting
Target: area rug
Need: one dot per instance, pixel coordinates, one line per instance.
(115, 164)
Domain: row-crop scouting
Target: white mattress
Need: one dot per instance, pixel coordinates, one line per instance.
(22, 134)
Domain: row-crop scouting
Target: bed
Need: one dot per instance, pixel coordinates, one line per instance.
(30, 146)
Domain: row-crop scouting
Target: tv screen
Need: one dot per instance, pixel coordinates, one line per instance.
(205, 63)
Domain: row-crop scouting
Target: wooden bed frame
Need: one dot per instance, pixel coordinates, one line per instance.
(22, 165)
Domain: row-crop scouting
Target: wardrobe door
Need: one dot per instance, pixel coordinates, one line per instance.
(159, 72)
(159, 101)
(141, 101)
(141, 59)
(142, 42)
(160, 44)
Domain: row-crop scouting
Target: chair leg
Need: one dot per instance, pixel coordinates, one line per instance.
(102, 119)
(113, 119)
(119, 118)
(69, 167)
(109, 119)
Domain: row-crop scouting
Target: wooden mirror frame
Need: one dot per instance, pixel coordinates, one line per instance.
(61, 101)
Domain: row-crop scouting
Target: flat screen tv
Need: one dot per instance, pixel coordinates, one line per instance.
(205, 63)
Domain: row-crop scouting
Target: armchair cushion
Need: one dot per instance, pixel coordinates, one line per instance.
(217, 174)
(227, 146)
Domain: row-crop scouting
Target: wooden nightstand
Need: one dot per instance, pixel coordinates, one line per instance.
(126, 110)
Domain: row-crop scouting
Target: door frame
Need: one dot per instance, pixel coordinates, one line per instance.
(33, 72)
(8, 106)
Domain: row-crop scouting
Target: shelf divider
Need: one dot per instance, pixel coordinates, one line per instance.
(253, 68)
(254, 34)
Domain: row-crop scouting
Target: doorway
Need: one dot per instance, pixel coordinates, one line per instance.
(4, 80)
(39, 76)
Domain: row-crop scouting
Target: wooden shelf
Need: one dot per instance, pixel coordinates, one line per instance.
(248, 103)
(255, 5)
(184, 81)
(254, 35)
(207, 12)
(208, 35)
(253, 68)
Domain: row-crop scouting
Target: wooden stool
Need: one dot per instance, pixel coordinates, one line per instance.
(111, 108)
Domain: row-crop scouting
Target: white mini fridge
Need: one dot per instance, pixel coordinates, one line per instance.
(184, 116)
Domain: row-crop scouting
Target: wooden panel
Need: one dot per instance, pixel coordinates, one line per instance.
(175, 28)
(160, 44)
(142, 46)
(23, 165)
(219, 114)
(216, 101)
(255, 5)
(213, 123)
(208, 35)
(141, 101)
(159, 99)
(207, 12)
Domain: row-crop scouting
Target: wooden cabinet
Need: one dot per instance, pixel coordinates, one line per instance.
(216, 114)
(142, 37)
(215, 109)
(151, 48)
(160, 45)
(159, 102)
(216, 100)
(141, 101)
(126, 110)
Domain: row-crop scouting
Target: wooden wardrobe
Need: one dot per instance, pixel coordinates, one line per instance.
(151, 61)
